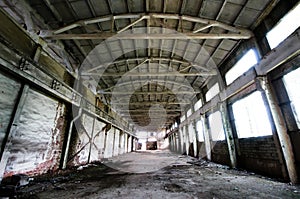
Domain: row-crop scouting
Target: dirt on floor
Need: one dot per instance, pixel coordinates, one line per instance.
(184, 177)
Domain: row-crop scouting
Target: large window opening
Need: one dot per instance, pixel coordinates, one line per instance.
(216, 126)
(213, 91)
(244, 64)
(292, 83)
(200, 130)
(285, 27)
(251, 118)
(198, 105)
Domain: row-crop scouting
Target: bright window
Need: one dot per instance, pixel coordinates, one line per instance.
(200, 130)
(292, 83)
(286, 26)
(198, 104)
(182, 118)
(213, 91)
(216, 126)
(189, 113)
(244, 64)
(251, 118)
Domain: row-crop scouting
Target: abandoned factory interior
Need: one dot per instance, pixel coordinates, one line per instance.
(149, 99)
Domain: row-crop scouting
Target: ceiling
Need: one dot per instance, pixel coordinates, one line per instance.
(147, 59)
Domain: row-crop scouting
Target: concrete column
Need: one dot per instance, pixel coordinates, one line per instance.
(129, 143)
(229, 134)
(181, 140)
(281, 128)
(187, 140)
(116, 142)
(195, 141)
(125, 143)
(207, 137)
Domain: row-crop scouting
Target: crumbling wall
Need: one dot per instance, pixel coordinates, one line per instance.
(260, 155)
(219, 153)
(83, 132)
(9, 89)
(35, 145)
(97, 149)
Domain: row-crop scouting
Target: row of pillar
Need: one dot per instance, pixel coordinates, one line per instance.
(181, 139)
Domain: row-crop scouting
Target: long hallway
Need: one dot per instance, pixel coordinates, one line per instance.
(183, 177)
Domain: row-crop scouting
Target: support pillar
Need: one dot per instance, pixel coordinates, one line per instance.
(281, 128)
(207, 137)
(229, 135)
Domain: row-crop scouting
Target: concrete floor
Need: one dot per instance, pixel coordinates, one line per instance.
(144, 177)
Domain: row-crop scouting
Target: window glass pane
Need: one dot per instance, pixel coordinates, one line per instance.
(189, 113)
(216, 126)
(251, 119)
(286, 26)
(292, 83)
(182, 118)
(243, 65)
(198, 104)
(199, 126)
(213, 91)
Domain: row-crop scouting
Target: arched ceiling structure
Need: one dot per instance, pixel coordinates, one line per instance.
(139, 54)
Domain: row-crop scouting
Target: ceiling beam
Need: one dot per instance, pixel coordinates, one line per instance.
(235, 32)
(150, 103)
(143, 36)
(150, 59)
(148, 92)
(145, 74)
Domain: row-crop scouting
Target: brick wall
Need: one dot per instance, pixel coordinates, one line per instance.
(220, 153)
(260, 155)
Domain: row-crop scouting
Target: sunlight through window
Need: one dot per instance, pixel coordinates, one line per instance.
(244, 64)
(292, 83)
(286, 26)
(216, 126)
(213, 91)
(251, 119)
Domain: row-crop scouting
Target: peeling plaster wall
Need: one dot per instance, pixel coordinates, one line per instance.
(34, 147)
(97, 150)
(84, 129)
(9, 90)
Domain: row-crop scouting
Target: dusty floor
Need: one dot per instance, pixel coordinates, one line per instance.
(178, 180)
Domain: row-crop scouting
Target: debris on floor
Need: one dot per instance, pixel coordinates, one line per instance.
(196, 179)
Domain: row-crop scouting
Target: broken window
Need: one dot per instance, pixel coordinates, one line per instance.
(292, 83)
(285, 27)
(213, 91)
(244, 64)
(216, 126)
(251, 118)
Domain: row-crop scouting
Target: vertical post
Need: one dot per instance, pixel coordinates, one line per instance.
(195, 140)
(229, 135)
(207, 138)
(91, 140)
(187, 139)
(11, 131)
(282, 131)
(65, 160)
